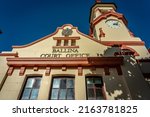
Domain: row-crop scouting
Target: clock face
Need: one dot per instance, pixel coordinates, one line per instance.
(112, 23)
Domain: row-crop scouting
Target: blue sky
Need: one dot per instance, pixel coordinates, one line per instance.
(24, 21)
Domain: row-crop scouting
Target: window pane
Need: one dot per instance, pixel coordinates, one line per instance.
(91, 93)
(63, 84)
(37, 83)
(54, 94)
(98, 85)
(34, 94)
(62, 94)
(26, 94)
(30, 83)
(56, 83)
(89, 80)
(70, 94)
(65, 42)
(58, 42)
(99, 94)
(90, 85)
(73, 42)
(98, 81)
(70, 83)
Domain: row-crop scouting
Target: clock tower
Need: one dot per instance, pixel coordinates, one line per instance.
(108, 25)
(110, 28)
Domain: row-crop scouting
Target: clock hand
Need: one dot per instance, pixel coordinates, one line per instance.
(115, 23)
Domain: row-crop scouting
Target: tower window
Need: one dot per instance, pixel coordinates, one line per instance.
(62, 88)
(94, 87)
(31, 88)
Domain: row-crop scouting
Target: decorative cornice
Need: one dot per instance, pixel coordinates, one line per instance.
(65, 46)
(66, 38)
(131, 49)
(133, 43)
(9, 54)
(108, 14)
(68, 62)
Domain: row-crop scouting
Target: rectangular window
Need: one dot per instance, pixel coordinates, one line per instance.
(73, 42)
(62, 88)
(66, 42)
(58, 43)
(31, 88)
(94, 86)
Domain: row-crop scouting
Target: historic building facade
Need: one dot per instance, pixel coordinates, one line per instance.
(109, 63)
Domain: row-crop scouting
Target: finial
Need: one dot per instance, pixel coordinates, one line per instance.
(98, 1)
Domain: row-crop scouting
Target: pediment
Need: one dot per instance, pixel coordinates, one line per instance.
(66, 41)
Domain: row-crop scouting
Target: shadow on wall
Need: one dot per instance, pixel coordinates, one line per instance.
(114, 83)
(133, 79)
(130, 85)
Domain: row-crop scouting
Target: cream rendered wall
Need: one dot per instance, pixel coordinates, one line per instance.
(12, 86)
(106, 8)
(97, 13)
(45, 91)
(3, 70)
(112, 34)
(142, 51)
(45, 47)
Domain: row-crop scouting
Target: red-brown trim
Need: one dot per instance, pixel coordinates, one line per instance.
(9, 54)
(32, 43)
(22, 71)
(70, 25)
(10, 71)
(106, 15)
(65, 47)
(131, 49)
(110, 43)
(35, 68)
(48, 70)
(134, 43)
(66, 38)
(87, 36)
(119, 70)
(46, 37)
(106, 69)
(104, 92)
(64, 68)
(80, 71)
(102, 34)
(101, 5)
(97, 9)
(59, 62)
